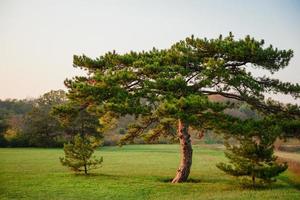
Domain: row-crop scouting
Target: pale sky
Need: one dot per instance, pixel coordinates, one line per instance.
(39, 37)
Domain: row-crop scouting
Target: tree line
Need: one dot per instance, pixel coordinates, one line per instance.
(33, 123)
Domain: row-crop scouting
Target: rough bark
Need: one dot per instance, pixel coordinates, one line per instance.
(186, 153)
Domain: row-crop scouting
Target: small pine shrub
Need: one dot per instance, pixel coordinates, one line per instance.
(79, 154)
(253, 157)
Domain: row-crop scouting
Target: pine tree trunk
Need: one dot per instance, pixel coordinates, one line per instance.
(85, 169)
(253, 180)
(186, 153)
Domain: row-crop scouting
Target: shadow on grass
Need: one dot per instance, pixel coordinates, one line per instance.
(246, 184)
(261, 187)
(204, 180)
(235, 184)
(93, 175)
(169, 180)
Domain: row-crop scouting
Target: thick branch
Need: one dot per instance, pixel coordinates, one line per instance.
(274, 109)
(235, 64)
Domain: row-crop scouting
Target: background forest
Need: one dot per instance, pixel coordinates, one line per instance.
(31, 123)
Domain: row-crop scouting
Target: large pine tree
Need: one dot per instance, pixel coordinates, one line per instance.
(168, 89)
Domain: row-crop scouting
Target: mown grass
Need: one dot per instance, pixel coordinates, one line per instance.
(130, 172)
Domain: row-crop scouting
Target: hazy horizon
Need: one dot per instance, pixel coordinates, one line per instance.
(38, 38)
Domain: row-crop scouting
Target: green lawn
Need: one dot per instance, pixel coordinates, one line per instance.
(130, 172)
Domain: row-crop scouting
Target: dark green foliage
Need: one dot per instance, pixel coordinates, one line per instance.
(14, 106)
(122, 131)
(78, 154)
(40, 127)
(47, 121)
(3, 122)
(21, 140)
(171, 88)
(76, 119)
(3, 127)
(248, 112)
(252, 152)
(290, 127)
(174, 83)
(12, 112)
(3, 142)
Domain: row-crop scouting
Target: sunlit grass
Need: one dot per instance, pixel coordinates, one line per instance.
(130, 172)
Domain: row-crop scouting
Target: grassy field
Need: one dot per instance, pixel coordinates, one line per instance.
(130, 172)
